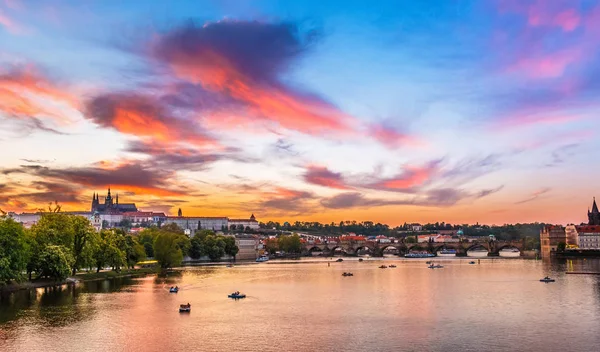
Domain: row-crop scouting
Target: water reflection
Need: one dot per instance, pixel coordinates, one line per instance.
(311, 307)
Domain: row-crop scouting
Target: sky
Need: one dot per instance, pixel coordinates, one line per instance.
(387, 111)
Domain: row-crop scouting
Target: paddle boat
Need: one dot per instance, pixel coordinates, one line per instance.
(185, 308)
(391, 266)
(347, 274)
(547, 279)
(174, 289)
(236, 295)
(383, 267)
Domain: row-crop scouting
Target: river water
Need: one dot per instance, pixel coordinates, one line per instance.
(498, 305)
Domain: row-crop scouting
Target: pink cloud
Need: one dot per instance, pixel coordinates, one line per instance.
(392, 138)
(547, 65)
(322, 176)
(410, 178)
(525, 119)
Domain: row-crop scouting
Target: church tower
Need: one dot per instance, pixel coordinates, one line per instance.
(108, 201)
(94, 202)
(594, 215)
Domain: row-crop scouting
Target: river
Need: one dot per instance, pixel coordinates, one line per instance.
(498, 305)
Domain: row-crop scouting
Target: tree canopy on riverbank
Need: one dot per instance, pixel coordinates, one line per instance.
(60, 245)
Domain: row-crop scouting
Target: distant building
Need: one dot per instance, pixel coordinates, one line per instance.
(148, 217)
(550, 237)
(572, 236)
(588, 236)
(26, 219)
(248, 246)
(191, 224)
(244, 223)
(96, 221)
(416, 227)
(110, 205)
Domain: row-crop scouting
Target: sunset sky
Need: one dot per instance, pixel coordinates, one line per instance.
(389, 111)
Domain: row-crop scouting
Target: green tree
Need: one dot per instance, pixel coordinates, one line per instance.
(83, 235)
(54, 229)
(214, 247)
(196, 248)
(167, 249)
(146, 238)
(108, 252)
(134, 251)
(230, 247)
(290, 244)
(55, 262)
(14, 250)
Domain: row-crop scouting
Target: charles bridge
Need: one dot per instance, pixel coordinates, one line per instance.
(377, 249)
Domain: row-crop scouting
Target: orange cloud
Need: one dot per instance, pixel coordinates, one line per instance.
(142, 116)
(245, 61)
(214, 72)
(25, 93)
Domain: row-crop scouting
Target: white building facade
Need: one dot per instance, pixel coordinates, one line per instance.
(191, 224)
(244, 223)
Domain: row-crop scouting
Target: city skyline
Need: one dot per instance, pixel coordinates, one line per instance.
(392, 112)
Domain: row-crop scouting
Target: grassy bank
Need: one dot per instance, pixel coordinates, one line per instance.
(82, 276)
(103, 275)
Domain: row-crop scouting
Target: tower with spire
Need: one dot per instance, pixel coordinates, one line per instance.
(594, 215)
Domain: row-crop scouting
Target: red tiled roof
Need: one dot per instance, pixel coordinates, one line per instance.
(197, 217)
(588, 228)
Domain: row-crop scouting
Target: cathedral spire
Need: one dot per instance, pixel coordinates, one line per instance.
(595, 207)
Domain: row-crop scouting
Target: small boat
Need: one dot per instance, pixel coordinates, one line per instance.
(185, 308)
(436, 266)
(391, 266)
(174, 289)
(471, 262)
(547, 279)
(262, 258)
(383, 267)
(428, 262)
(340, 260)
(347, 274)
(236, 295)
(360, 259)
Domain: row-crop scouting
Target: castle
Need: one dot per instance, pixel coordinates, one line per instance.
(110, 207)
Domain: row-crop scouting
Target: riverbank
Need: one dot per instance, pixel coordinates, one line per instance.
(79, 277)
